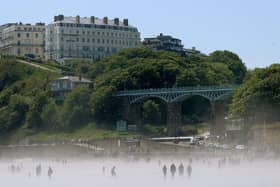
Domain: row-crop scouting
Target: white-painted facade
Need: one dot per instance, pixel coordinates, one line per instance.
(91, 38)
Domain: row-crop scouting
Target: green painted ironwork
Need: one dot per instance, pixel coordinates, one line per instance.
(170, 95)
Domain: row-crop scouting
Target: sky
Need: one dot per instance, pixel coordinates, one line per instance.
(249, 28)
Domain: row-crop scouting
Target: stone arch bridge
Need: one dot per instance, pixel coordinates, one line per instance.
(174, 97)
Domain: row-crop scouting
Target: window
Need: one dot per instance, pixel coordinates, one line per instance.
(18, 35)
(83, 40)
(88, 40)
(27, 35)
(93, 40)
(77, 32)
(18, 43)
(77, 39)
(36, 35)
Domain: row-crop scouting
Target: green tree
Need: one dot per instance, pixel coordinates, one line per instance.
(12, 116)
(233, 62)
(51, 117)
(33, 119)
(151, 112)
(76, 109)
(259, 95)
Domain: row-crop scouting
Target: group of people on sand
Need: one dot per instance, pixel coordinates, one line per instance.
(39, 171)
(15, 168)
(113, 171)
(181, 170)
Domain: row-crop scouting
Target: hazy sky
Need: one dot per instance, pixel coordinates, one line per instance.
(250, 28)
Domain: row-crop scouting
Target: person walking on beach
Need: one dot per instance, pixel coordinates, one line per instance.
(164, 170)
(173, 170)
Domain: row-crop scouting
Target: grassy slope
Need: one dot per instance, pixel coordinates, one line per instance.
(91, 132)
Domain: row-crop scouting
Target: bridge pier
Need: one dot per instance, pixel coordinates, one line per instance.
(218, 125)
(132, 113)
(174, 119)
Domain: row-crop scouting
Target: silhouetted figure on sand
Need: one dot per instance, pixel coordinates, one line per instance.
(113, 171)
(189, 170)
(50, 172)
(181, 169)
(164, 170)
(38, 170)
(173, 170)
(13, 168)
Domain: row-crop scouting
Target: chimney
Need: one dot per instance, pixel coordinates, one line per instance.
(105, 20)
(116, 21)
(59, 18)
(125, 22)
(78, 19)
(92, 19)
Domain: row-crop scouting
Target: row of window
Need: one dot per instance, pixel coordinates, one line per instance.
(29, 42)
(38, 29)
(27, 49)
(103, 41)
(90, 49)
(98, 33)
(121, 28)
(28, 35)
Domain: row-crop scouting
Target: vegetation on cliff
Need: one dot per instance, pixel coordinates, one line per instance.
(26, 101)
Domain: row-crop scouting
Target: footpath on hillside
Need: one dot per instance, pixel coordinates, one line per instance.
(38, 66)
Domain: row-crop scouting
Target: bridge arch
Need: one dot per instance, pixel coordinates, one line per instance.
(145, 97)
(184, 97)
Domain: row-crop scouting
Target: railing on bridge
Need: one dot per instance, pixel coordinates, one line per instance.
(177, 90)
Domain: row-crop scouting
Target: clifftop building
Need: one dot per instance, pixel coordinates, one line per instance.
(164, 42)
(92, 38)
(22, 39)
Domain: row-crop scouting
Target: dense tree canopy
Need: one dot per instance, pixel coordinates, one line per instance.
(233, 62)
(143, 69)
(26, 101)
(260, 94)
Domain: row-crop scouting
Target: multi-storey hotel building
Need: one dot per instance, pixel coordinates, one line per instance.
(92, 38)
(23, 40)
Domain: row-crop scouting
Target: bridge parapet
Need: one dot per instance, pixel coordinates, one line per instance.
(170, 95)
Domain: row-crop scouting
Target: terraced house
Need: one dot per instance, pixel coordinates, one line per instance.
(23, 40)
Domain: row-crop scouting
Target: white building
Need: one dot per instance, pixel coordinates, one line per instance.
(92, 38)
(62, 86)
(23, 39)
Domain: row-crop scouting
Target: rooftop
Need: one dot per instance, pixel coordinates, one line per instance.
(89, 20)
(75, 79)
